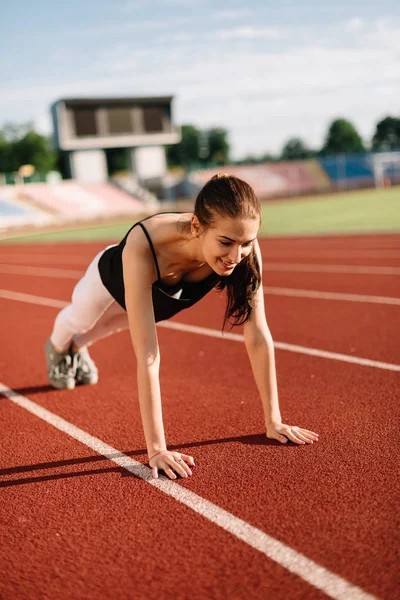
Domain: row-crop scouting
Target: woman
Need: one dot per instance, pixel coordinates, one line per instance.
(158, 269)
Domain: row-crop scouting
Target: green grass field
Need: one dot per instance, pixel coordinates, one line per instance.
(344, 212)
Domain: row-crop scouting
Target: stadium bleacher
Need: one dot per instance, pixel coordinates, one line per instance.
(353, 169)
(16, 213)
(273, 179)
(43, 203)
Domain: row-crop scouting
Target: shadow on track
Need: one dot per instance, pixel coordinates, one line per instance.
(254, 440)
(38, 389)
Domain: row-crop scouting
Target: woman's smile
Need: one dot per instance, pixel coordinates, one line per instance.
(228, 265)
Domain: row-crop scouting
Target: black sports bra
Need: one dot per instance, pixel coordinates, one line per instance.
(165, 305)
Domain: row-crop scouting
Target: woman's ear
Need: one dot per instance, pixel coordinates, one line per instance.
(195, 226)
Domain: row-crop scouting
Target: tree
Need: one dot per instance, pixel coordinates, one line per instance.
(8, 162)
(187, 151)
(268, 158)
(20, 145)
(15, 131)
(218, 146)
(34, 149)
(387, 135)
(117, 160)
(342, 137)
(295, 149)
(199, 146)
(247, 160)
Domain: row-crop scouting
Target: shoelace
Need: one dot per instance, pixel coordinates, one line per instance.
(84, 363)
(76, 361)
(64, 367)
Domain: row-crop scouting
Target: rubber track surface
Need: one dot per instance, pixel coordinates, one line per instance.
(77, 526)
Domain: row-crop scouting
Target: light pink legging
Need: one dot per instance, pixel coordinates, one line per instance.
(92, 315)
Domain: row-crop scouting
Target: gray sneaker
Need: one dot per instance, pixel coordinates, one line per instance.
(60, 367)
(86, 370)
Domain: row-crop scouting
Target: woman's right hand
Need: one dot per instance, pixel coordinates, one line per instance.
(169, 462)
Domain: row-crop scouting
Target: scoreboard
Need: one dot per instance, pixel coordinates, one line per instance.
(100, 123)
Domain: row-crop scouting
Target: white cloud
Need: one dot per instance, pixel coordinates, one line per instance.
(182, 2)
(231, 14)
(120, 28)
(43, 124)
(386, 90)
(182, 37)
(261, 96)
(354, 24)
(385, 34)
(129, 6)
(270, 33)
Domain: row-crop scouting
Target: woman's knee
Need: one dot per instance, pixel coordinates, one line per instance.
(76, 319)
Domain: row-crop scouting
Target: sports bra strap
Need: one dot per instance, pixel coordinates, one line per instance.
(151, 247)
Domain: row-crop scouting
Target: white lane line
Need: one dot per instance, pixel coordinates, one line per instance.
(41, 271)
(31, 299)
(268, 266)
(318, 268)
(319, 295)
(237, 337)
(269, 253)
(215, 333)
(375, 239)
(70, 274)
(45, 258)
(295, 562)
(277, 253)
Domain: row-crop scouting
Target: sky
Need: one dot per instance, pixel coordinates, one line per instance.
(266, 71)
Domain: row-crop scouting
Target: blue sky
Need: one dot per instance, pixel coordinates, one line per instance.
(264, 70)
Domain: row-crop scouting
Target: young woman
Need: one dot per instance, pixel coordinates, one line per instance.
(164, 264)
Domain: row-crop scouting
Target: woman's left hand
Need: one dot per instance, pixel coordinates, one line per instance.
(298, 435)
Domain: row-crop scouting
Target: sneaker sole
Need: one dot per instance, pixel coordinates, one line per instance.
(87, 381)
(62, 385)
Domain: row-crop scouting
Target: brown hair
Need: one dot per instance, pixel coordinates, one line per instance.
(229, 196)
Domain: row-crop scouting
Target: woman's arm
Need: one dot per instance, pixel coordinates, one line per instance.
(138, 269)
(260, 349)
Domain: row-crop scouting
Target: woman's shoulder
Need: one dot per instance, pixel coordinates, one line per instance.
(162, 228)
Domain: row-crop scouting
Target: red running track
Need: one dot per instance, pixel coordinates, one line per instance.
(78, 526)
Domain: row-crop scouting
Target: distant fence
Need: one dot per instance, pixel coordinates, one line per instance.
(320, 175)
(357, 170)
(37, 177)
(349, 170)
(270, 179)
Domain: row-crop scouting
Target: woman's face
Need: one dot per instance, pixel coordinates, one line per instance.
(228, 241)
